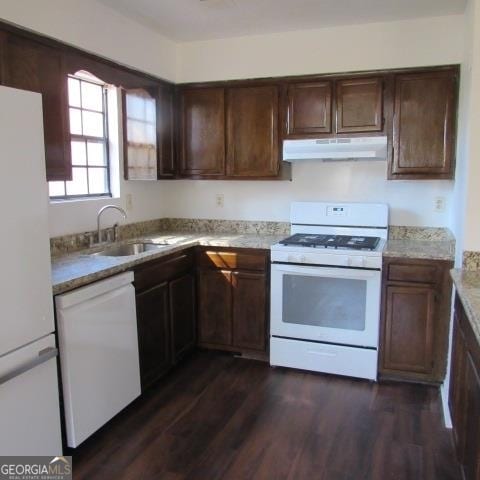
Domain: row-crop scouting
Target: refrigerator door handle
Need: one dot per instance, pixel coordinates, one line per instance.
(43, 356)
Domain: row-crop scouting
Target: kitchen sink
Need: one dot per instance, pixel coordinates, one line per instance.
(129, 249)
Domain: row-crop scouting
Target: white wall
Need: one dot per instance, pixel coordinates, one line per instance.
(471, 227)
(459, 215)
(408, 43)
(96, 28)
(411, 202)
(81, 216)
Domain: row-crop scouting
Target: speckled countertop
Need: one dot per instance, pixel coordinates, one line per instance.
(80, 268)
(423, 249)
(467, 283)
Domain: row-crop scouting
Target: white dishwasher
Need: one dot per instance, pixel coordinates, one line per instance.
(97, 330)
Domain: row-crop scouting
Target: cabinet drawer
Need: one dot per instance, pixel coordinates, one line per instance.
(413, 273)
(159, 271)
(231, 260)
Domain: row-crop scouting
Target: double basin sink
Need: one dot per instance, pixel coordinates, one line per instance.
(127, 249)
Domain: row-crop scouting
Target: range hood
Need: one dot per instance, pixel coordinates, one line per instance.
(336, 149)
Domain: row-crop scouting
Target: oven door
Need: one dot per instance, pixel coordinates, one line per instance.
(326, 304)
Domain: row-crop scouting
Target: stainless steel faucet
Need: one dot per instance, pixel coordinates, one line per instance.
(99, 214)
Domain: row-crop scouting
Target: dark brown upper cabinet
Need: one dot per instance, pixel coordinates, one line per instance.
(424, 125)
(139, 109)
(252, 131)
(309, 108)
(29, 65)
(234, 129)
(148, 135)
(359, 105)
(166, 131)
(202, 131)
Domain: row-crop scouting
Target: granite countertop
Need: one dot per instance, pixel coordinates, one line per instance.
(421, 249)
(467, 283)
(80, 268)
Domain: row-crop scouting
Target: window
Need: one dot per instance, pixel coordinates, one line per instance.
(87, 99)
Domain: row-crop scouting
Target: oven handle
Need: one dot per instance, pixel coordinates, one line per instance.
(322, 271)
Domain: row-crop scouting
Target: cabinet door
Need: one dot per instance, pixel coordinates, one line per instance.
(31, 66)
(214, 307)
(309, 109)
(202, 131)
(359, 105)
(458, 392)
(165, 131)
(471, 454)
(153, 333)
(3, 51)
(409, 324)
(140, 134)
(424, 125)
(252, 131)
(182, 315)
(249, 310)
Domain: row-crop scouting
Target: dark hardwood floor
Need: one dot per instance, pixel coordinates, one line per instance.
(219, 417)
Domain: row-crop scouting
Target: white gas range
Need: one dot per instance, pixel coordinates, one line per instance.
(325, 289)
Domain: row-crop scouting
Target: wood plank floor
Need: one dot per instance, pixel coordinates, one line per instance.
(219, 417)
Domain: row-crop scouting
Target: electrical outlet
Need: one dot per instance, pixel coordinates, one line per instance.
(129, 202)
(219, 200)
(439, 204)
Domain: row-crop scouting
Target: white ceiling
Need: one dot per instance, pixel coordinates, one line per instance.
(186, 20)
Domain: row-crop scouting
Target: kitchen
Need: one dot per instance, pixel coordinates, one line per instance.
(281, 203)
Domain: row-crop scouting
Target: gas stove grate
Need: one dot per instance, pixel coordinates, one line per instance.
(344, 242)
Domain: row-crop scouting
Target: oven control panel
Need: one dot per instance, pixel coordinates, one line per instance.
(330, 259)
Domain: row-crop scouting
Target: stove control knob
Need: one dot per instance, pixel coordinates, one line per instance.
(292, 259)
(303, 259)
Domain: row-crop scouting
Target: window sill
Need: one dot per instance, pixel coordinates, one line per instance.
(55, 201)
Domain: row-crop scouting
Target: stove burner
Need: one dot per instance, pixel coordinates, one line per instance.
(332, 241)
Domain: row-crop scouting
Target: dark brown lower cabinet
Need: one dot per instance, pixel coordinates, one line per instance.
(232, 288)
(182, 315)
(409, 322)
(248, 309)
(464, 395)
(415, 318)
(153, 333)
(165, 296)
(215, 299)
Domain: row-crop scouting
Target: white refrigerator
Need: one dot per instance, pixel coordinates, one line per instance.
(29, 401)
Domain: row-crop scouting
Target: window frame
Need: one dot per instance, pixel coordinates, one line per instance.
(105, 140)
